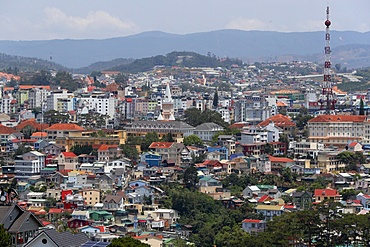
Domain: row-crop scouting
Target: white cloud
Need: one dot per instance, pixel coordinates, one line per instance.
(94, 24)
(247, 24)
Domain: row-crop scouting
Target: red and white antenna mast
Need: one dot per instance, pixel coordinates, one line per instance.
(327, 98)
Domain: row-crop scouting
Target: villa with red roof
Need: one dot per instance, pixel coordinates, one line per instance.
(39, 135)
(171, 152)
(62, 130)
(253, 226)
(67, 160)
(321, 195)
(277, 163)
(283, 122)
(108, 152)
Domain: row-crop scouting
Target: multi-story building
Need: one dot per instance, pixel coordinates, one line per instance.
(100, 102)
(206, 131)
(37, 96)
(90, 196)
(52, 99)
(339, 130)
(252, 108)
(178, 129)
(30, 165)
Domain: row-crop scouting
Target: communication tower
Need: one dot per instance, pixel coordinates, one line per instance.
(327, 98)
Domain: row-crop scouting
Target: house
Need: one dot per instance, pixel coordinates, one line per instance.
(76, 223)
(52, 149)
(364, 200)
(39, 136)
(206, 131)
(108, 152)
(116, 164)
(278, 163)
(355, 147)
(223, 152)
(81, 215)
(152, 159)
(40, 144)
(253, 226)
(30, 165)
(251, 191)
(302, 200)
(62, 130)
(101, 216)
(67, 161)
(170, 216)
(283, 122)
(113, 202)
(326, 194)
(91, 196)
(269, 211)
(22, 225)
(170, 151)
(208, 184)
(91, 230)
(52, 238)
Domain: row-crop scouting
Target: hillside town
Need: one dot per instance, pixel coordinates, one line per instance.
(86, 159)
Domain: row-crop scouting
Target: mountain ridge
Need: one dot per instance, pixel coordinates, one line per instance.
(223, 43)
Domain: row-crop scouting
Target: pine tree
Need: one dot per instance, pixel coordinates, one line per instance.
(215, 99)
(362, 108)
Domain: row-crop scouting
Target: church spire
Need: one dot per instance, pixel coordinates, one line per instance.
(168, 96)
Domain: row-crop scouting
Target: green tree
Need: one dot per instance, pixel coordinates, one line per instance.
(5, 237)
(269, 149)
(195, 117)
(129, 151)
(149, 139)
(168, 138)
(65, 80)
(192, 140)
(81, 149)
(215, 100)
(191, 178)
(53, 117)
(127, 242)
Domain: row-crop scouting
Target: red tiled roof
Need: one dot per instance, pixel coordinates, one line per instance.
(161, 144)
(105, 147)
(32, 123)
(281, 104)
(237, 126)
(69, 154)
(252, 221)
(6, 130)
(65, 126)
(39, 134)
(101, 228)
(280, 159)
(55, 210)
(265, 198)
(279, 120)
(337, 118)
(352, 144)
(326, 192)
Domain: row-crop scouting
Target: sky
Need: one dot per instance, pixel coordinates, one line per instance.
(100, 19)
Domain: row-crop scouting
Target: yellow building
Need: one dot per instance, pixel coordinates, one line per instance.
(90, 196)
(116, 137)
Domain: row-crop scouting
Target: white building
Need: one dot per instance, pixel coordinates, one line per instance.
(37, 96)
(100, 103)
(30, 165)
(52, 99)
